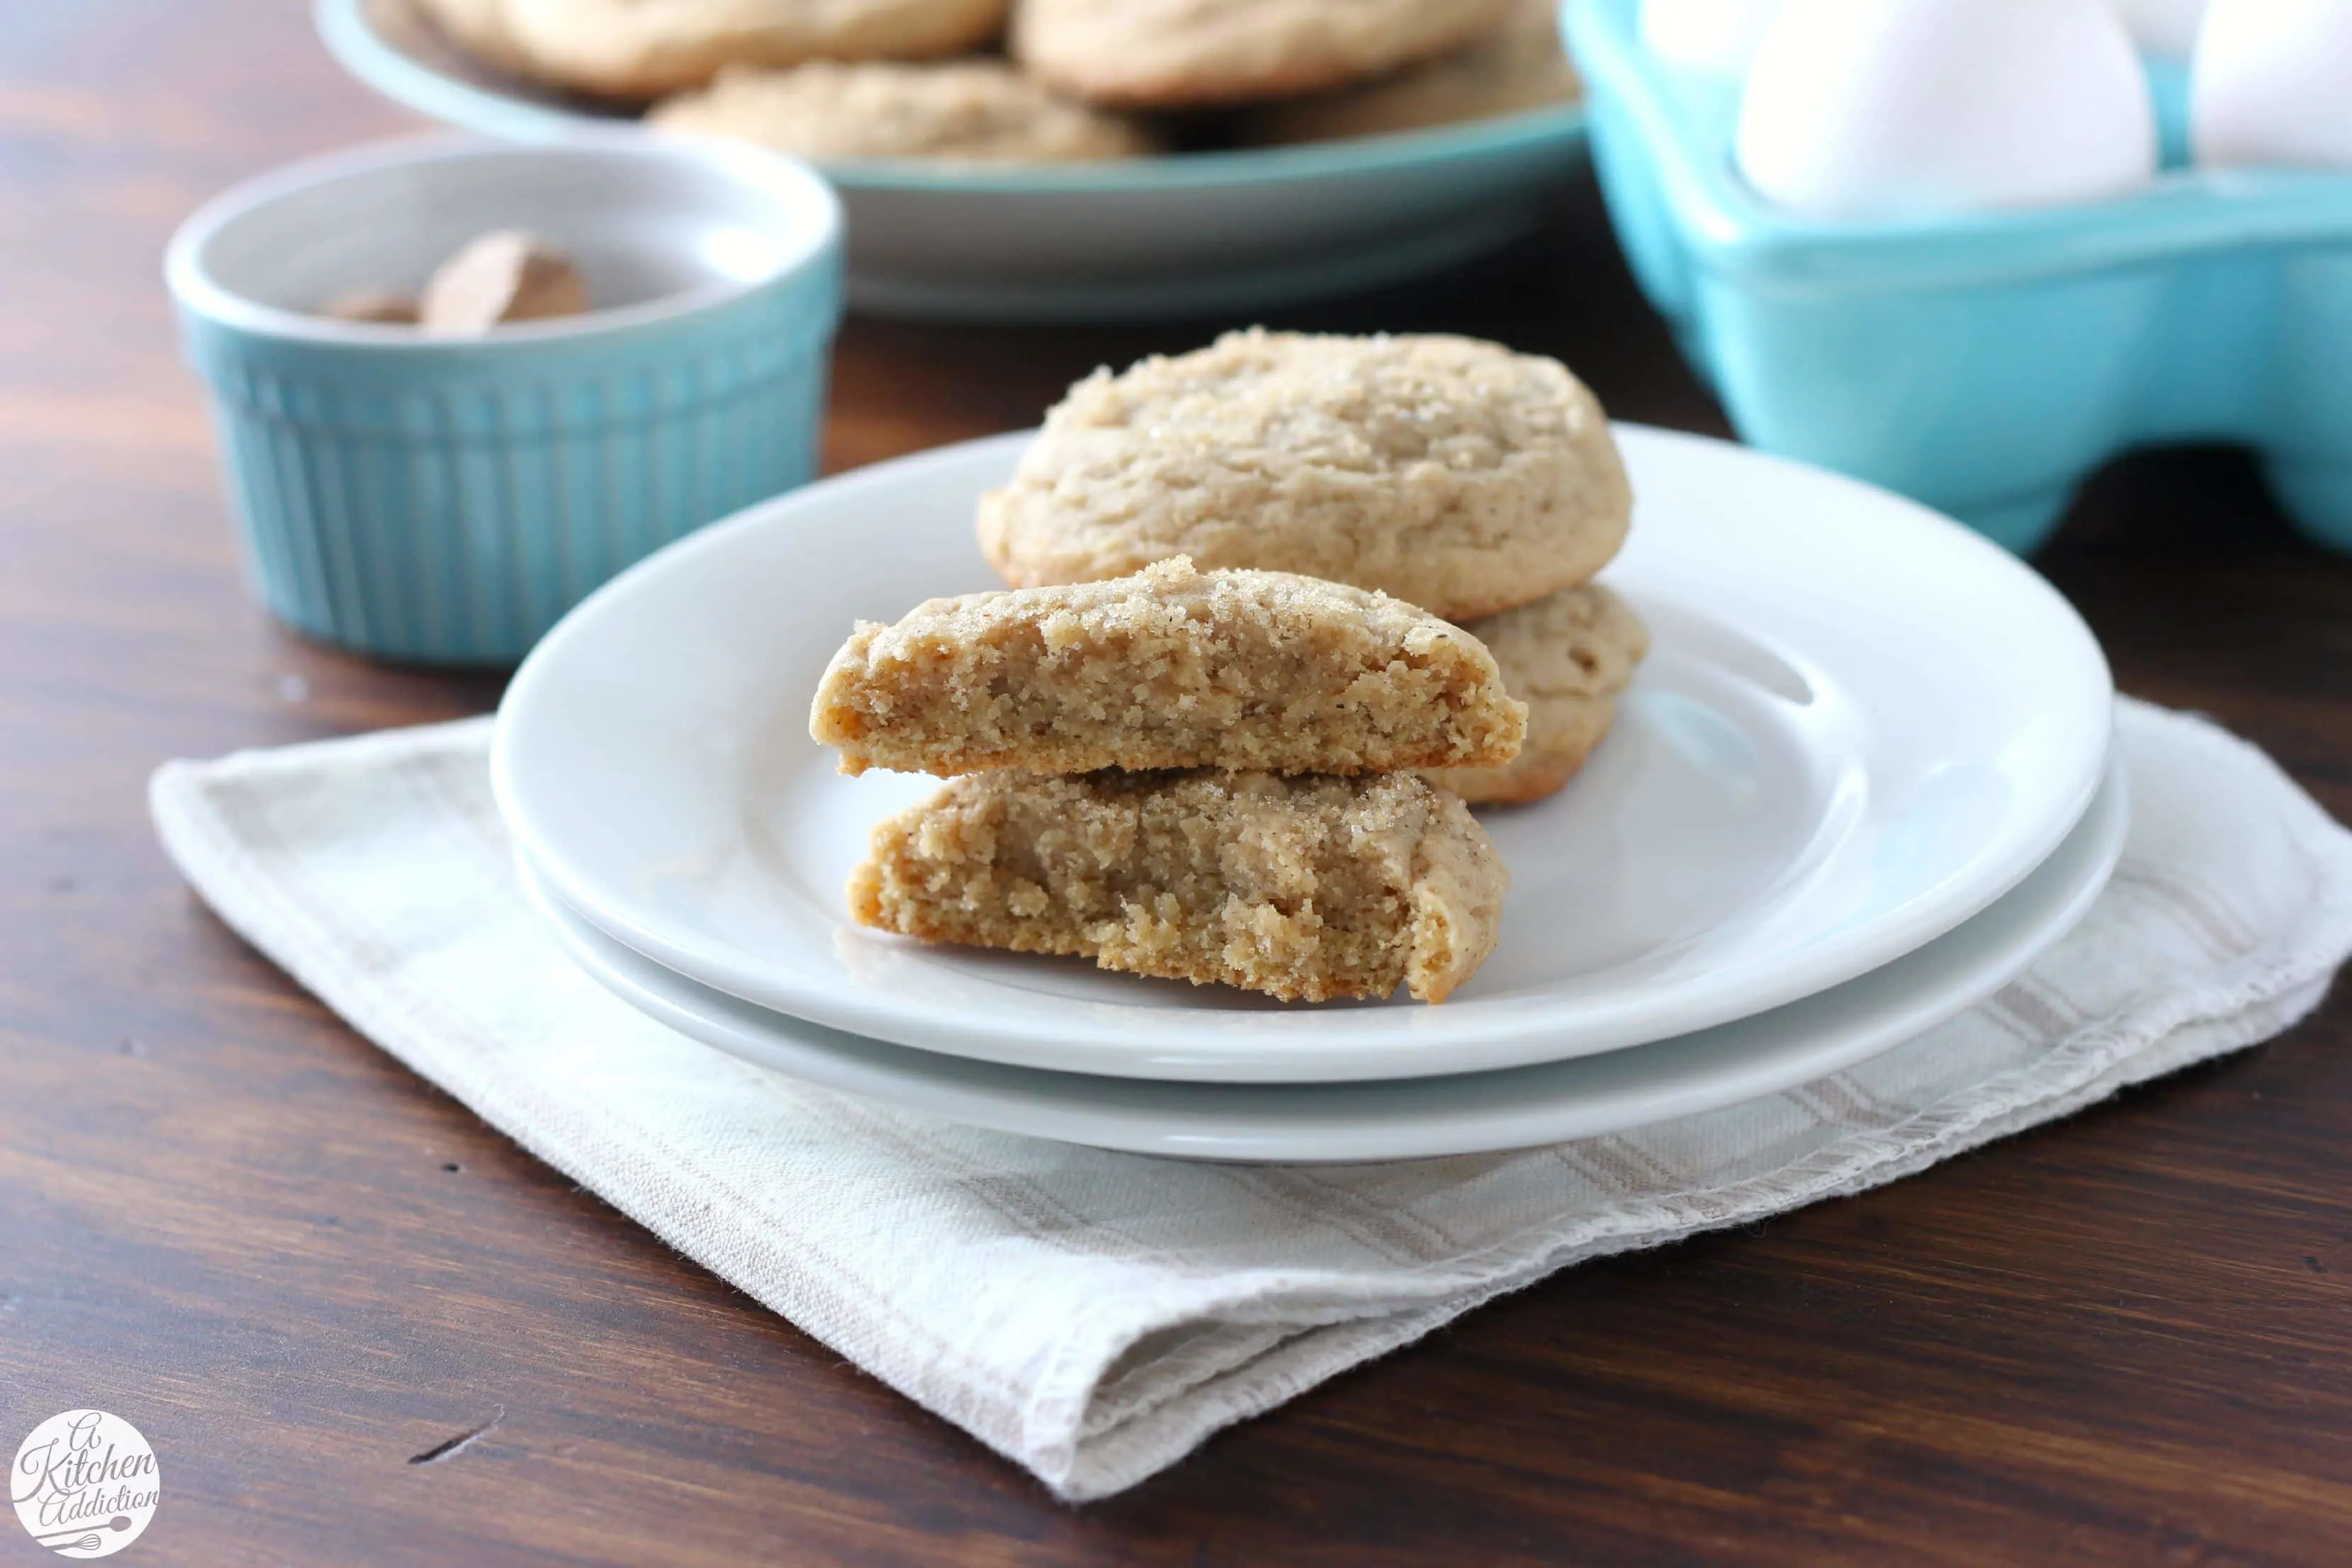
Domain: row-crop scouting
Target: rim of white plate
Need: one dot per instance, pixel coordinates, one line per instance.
(1399, 1120)
(1465, 1035)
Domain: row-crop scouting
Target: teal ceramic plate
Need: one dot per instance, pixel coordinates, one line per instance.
(1197, 233)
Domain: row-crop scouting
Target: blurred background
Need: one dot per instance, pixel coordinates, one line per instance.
(119, 117)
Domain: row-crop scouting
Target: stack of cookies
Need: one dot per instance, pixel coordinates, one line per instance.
(1078, 80)
(1280, 607)
(1479, 484)
(1200, 775)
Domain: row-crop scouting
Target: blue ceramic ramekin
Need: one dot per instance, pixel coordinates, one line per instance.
(447, 500)
(1986, 364)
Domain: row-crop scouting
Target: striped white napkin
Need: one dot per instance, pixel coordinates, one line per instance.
(1094, 1316)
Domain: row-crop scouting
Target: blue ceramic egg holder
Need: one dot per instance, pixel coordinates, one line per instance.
(1986, 364)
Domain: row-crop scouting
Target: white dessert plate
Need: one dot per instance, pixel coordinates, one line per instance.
(1225, 232)
(1860, 725)
(1465, 1114)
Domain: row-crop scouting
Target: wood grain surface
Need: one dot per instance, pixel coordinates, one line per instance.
(304, 1272)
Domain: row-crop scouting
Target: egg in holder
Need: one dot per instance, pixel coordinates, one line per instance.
(1987, 362)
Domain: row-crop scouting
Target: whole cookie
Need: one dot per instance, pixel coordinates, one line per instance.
(1521, 67)
(1568, 658)
(478, 27)
(966, 110)
(1447, 472)
(1161, 54)
(643, 48)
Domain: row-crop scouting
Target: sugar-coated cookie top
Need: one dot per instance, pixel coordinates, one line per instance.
(1522, 67)
(1172, 53)
(641, 48)
(975, 111)
(1367, 404)
(1449, 472)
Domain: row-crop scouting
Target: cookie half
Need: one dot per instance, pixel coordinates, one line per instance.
(1306, 888)
(1173, 668)
(1568, 658)
(644, 49)
(1451, 473)
(1167, 54)
(960, 111)
(1522, 67)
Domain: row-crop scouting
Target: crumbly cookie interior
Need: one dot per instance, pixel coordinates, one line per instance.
(1307, 889)
(1170, 668)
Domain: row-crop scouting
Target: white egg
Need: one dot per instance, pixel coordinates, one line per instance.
(1858, 107)
(1717, 36)
(2163, 27)
(2271, 82)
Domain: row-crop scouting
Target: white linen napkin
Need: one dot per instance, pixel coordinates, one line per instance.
(1094, 1316)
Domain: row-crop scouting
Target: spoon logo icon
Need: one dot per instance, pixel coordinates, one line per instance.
(84, 1484)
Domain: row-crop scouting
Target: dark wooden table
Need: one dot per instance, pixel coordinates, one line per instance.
(295, 1266)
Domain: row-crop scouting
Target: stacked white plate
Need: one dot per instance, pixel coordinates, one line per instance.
(1862, 782)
